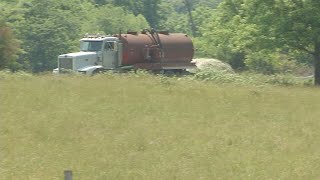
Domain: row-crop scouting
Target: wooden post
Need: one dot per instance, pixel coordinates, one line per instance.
(67, 175)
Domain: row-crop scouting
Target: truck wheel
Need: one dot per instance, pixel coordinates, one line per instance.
(169, 73)
(97, 71)
(178, 72)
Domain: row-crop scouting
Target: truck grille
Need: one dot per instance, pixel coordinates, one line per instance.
(65, 63)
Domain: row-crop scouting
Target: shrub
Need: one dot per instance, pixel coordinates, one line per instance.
(8, 74)
(262, 62)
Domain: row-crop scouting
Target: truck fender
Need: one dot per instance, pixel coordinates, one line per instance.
(90, 70)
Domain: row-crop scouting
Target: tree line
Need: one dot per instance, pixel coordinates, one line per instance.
(265, 36)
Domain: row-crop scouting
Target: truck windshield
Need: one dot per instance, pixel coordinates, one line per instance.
(90, 45)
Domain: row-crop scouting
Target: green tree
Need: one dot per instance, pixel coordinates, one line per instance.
(298, 27)
(103, 21)
(258, 30)
(189, 6)
(9, 47)
(50, 28)
(186, 15)
(225, 34)
(291, 24)
(201, 6)
(149, 9)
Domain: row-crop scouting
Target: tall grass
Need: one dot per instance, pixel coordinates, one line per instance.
(147, 127)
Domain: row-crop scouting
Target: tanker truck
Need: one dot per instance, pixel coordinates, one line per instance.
(150, 50)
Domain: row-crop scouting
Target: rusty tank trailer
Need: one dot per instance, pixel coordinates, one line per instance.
(152, 47)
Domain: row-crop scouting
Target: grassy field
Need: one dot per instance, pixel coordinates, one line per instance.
(146, 127)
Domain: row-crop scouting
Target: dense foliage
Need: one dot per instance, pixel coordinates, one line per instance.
(9, 47)
(264, 36)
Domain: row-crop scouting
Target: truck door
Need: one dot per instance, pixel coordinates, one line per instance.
(110, 55)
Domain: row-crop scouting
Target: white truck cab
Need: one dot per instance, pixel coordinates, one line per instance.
(97, 53)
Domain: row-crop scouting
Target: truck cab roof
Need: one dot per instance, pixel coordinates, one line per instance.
(98, 38)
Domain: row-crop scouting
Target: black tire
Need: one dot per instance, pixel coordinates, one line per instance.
(97, 71)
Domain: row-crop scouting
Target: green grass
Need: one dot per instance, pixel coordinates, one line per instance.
(146, 127)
